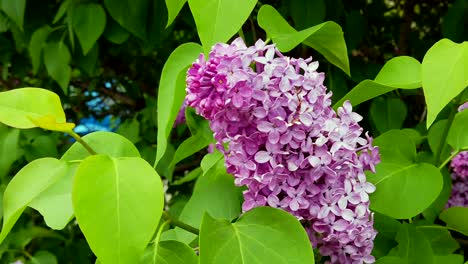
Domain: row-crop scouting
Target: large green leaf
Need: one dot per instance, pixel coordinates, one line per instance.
(89, 22)
(214, 193)
(28, 184)
(262, 235)
(171, 91)
(37, 43)
(9, 149)
(413, 246)
(327, 38)
(170, 252)
(388, 113)
(444, 75)
(442, 242)
(399, 180)
(102, 142)
(456, 218)
(401, 72)
(57, 59)
(130, 14)
(457, 136)
(118, 203)
(219, 20)
(19, 107)
(15, 10)
(173, 8)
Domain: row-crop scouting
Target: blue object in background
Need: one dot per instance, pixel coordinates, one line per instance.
(91, 124)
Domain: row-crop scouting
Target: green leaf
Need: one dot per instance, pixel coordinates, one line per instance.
(401, 72)
(55, 203)
(115, 33)
(130, 129)
(387, 228)
(456, 219)
(397, 184)
(441, 241)
(28, 184)
(262, 235)
(102, 142)
(434, 138)
(214, 193)
(56, 59)
(457, 137)
(62, 10)
(15, 10)
(43, 257)
(444, 75)
(210, 161)
(37, 43)
(404, 152)
(307, 13)
(173, 8)
(449, 259)
(453, 22)
(388, 113)
(89, 22)
(327, 38)
(198, 141)
(219, 20)
(4, 23)
(131, 15)
(9, 149)
(19, 107)
(399, 180)
(171, 92)
(42, 146)
(118, 203)
(413, 246)
(170, 252)
(439, 204)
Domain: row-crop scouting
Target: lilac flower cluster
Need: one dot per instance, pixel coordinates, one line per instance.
(272, 118)
(459, 166)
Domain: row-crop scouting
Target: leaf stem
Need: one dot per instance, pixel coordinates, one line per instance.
(448, 159)
(82, 142)
(180, 224)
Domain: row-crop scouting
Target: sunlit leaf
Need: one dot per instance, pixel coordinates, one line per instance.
(444, 75)
(118, 203)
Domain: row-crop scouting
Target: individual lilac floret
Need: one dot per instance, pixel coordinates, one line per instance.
(180, 118)
(272, 118)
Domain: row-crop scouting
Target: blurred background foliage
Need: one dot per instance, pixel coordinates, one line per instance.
(104, 57)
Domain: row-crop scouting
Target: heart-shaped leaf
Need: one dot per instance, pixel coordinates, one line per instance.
(398, 73)
(444, 75)
(89, 21)
(219, 20)
(327, 38)
(118, 203)
(21, 108)
(262, 235)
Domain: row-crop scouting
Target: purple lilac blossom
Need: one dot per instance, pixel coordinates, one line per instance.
(459, 165)
(286, 144)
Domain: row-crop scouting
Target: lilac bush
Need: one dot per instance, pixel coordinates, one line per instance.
(272, 119)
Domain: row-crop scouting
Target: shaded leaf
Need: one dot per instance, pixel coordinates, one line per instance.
(262, 235)
(89, 21)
